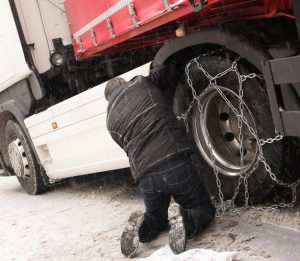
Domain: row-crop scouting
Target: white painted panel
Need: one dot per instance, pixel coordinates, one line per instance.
(13, 66)
(40, 124)
(6, 69)
(38, 118)
(86, 148)
(41, 22)
(81, 144)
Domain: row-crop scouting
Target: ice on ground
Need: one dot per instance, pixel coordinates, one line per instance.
(166, 254)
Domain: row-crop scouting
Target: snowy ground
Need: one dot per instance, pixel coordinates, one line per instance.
(84, 220)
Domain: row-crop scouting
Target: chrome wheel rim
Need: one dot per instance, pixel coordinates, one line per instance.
(223, 132)
(18, 159)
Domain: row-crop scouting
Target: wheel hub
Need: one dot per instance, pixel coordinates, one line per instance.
(18, 159)
(223, 132)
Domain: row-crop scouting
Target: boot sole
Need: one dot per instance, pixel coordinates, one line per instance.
(130, 236)
(177, 233)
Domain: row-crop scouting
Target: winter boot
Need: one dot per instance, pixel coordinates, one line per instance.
(177, 233)
(130, 236)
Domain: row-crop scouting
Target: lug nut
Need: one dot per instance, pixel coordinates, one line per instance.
(224, 116)
(229, 136)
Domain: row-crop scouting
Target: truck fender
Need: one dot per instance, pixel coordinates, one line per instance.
(214, 35)
(18, 113)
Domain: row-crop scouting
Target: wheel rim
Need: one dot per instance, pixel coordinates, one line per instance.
(222, 127)
(18, 159)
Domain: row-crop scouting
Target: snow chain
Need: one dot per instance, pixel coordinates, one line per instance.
(229, 205)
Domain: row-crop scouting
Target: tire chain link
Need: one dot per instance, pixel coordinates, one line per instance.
(229, 205)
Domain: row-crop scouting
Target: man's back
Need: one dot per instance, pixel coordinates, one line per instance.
(141, 121)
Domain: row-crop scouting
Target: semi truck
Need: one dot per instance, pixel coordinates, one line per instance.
(56, 57)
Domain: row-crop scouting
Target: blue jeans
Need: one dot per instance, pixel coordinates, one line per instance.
(177, 178)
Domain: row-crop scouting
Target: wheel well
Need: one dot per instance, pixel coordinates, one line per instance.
(211, 39)
(256, 41)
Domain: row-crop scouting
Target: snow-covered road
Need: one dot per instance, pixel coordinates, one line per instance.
(84, 220)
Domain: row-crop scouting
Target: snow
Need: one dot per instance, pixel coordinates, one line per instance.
(84, 220)
(165, 254)
(63, 224)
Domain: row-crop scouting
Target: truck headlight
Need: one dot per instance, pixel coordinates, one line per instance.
(57, 59)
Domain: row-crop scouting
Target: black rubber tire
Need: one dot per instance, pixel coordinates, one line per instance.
(34, 185)
(255, 96)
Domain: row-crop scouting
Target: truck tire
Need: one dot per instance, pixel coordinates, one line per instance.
(22, 159)
(222, 126)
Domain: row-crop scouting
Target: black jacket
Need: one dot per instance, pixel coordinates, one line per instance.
(141, 121)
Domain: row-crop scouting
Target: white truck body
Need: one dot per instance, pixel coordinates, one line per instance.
(81, 143)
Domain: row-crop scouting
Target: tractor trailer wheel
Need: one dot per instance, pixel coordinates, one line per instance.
(222, 136)
(22, 159)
